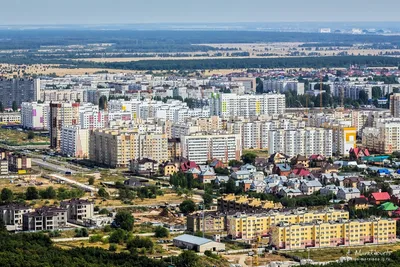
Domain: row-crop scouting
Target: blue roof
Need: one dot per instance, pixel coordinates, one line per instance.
(192, 239)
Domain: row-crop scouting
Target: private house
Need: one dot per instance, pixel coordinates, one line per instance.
(258, 186)
(241, 175)
(360, 203)
(168, 168)
(187, 165)
(329, 190)
(394, 189)
(145, 167)
(379, 198)
(282, 169)
(352, 181)
(246, 185)
(207, 174)
(301, 161)
(257, 176)
(216, 163)
(260, 163)
(290, 192)
(365, 186)
(248, 167)
(301, 172)
(278, 158)
(194, 171)
(316, 160)
(357, 153)
(310, 187)
(347, 193)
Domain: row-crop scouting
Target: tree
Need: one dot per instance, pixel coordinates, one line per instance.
(230, 187)
(7, 195)
(1, 107)
(81, 232)
(161, 232)
(3, 227)
(187, 206)
(187, 258)
(31, 135)
(376, 92)
(103, 103)
(118, 236)
(48, 193)
(234, 163)
(91, 180)
(363, 97)
(31, 193)
(249, 158)
(124, 220)
(208, 199)
(14, 106)
(139, 242)
(102, 193)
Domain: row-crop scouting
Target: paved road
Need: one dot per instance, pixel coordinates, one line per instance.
(71, 182)
(52, 166)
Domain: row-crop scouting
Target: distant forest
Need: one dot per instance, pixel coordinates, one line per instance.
(290, 62)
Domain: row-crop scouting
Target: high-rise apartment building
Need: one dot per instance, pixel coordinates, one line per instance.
(233, 105)
(19, 90)
(395, 105)
(116, 147)
(35, 116)
(75, 141)
(384, 138)
(343, 139)
(61, 114)
(203, 147)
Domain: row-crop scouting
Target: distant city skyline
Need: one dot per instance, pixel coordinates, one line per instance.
(55, 12)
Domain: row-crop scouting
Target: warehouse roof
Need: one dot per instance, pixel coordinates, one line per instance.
(192, 239)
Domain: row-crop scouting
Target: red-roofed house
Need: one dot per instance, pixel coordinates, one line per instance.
(357, 153)
(379, 198)
(187, 165)
(301, 172)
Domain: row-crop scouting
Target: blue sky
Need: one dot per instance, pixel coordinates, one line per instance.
(158, 11)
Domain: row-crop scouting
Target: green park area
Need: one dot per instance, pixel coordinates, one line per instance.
(19, 138)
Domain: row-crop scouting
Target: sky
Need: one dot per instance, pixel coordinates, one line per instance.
(33, 12)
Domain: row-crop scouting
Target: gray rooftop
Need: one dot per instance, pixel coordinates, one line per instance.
(193, 239)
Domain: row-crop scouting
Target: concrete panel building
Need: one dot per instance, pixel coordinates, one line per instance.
(75, 141)
(19, 90)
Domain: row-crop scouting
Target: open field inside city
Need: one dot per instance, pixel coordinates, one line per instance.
(332, 254)
(17, 138)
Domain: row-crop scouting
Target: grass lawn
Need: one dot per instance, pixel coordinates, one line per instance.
(14, 137)
(262, 153)
(331, 254)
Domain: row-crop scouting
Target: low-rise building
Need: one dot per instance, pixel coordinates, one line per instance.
(18, 162)
(145, 167)
(12, 214)
(78, 209)
(249, 226)
(332, 234)
(197, 244)
(45, 218)
(209, 221)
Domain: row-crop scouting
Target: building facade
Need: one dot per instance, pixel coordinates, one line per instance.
(201, 148)
(19, 90)
(75, 141)
(332, 234)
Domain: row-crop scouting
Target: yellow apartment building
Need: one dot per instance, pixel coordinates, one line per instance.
(250, 226)
(322, 234)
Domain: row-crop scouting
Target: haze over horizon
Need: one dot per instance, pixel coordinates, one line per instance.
(57, 12)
